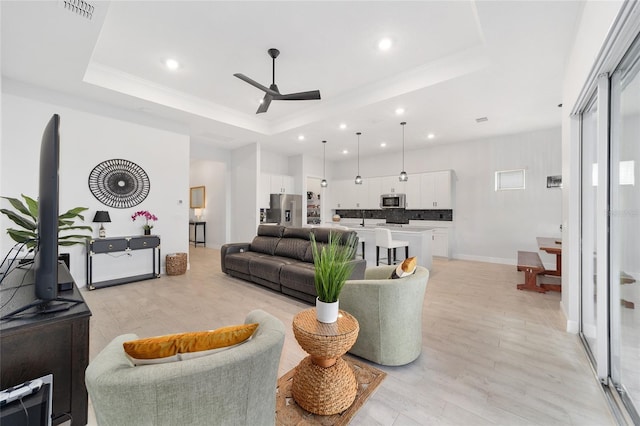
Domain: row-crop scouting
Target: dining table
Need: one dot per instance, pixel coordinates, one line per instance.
(552, 246)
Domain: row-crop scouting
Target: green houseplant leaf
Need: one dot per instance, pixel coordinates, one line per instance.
(333, 265)
(25, 216)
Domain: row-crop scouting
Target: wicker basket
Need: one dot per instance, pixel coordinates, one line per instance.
(176, 263)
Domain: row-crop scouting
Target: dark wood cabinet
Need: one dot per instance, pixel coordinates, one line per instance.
(34, 345)
(123, 244)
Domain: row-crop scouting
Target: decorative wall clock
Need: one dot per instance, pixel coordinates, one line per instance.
(119, 183)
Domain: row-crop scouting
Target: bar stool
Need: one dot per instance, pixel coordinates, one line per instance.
(384, 240)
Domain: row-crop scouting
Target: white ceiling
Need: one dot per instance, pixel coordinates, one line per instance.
(451, 62)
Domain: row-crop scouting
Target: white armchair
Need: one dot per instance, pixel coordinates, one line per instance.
(234, 386)
(389, 312)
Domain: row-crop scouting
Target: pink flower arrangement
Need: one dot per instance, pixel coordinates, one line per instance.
(147, 217)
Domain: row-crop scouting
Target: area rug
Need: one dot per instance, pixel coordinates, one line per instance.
(288, 413)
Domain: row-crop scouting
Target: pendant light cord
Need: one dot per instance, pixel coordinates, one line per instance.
(403, 123)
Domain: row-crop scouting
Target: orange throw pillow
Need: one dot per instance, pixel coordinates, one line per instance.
(154, 348)
(405, 269)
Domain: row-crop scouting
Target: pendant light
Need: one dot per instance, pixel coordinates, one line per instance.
(403, 175)
(324, 183)
(358, 177)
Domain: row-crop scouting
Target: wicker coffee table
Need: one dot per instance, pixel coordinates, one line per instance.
(323, 382)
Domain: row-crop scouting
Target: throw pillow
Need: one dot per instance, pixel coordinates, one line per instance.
(153, 350)
(405, 269)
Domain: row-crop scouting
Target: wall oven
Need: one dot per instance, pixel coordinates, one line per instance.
(392, 201)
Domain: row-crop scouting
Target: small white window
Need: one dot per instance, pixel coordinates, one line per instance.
(509, 179)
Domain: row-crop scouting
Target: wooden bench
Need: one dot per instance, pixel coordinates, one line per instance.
(530, 263)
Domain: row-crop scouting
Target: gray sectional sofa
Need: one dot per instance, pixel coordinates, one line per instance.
(281, 259)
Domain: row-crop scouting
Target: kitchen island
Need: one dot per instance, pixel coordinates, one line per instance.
(419, 239)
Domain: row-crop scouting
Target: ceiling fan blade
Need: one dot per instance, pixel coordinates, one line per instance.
(256, 84)
(266, 101)
(300, 96)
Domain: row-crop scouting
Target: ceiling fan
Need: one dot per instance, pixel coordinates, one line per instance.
(272, 92)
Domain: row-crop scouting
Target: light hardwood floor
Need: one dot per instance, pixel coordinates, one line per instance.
(491, 354)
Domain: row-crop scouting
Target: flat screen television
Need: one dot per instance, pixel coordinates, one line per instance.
(46, 265)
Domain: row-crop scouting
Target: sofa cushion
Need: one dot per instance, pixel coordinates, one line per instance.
(240, 261)
(268, 267)
(270, 230)
(294, 248)
(263, 244)
(297, 232)
(299, 276)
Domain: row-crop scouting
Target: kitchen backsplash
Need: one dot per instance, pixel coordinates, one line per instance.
(398, 215)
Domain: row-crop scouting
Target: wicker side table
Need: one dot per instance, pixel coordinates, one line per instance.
(323, 382)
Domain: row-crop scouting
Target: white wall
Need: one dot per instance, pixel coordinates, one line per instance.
(210, 167)
(86, 140)
(595, 23)
(489, 226)
(245, 172)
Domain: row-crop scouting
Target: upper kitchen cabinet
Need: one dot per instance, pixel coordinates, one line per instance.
(282, 184)
(274, 184)
(435, 190)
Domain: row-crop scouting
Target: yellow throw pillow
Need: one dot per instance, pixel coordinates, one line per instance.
(168, 348)
(405, 269)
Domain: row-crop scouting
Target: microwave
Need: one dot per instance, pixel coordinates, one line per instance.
(392, 201)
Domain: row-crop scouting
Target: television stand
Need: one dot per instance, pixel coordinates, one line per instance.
(44, 307)
(46, 343)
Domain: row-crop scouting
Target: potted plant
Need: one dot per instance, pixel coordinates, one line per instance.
(333, 267)
(26, 217)
(147, 217)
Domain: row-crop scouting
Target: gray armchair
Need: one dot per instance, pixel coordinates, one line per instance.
(234, 387)
(389, 312)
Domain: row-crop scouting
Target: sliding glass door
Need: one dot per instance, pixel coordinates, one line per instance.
(589, 249)
(610, 230)
(624, 263)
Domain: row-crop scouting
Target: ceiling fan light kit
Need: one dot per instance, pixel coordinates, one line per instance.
(272, 93)
(403, 175)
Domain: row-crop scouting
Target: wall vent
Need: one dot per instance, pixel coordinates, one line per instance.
(79, 7)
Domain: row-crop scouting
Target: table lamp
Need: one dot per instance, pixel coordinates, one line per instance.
(101, 217)
(197, 213)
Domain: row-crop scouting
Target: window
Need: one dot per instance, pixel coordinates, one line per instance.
(509, 179)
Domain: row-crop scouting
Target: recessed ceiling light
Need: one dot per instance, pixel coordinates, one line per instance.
(343, 126)
(172, 64)
(399, 111)
(384, 44)
(383, 144)
(301, 137)
(431, 136)
(345, 151)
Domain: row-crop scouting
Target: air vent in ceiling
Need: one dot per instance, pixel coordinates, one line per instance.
(481, 119)
(79, 7)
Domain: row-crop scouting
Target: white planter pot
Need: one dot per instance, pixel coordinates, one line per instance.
(326, 312)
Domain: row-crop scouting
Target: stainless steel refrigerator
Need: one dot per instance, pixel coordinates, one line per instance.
(285, 209)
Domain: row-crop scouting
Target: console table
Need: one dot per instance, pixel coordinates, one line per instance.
(195, 240)
(123, 244)
(34, 345)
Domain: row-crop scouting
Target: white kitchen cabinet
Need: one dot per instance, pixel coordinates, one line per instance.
(281, 184)
(440, 243)
(435, 190)
(374, 190)
(340, 193)
(391, 185)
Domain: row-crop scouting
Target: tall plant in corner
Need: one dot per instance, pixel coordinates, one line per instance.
(333, 267)
(26, 217)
